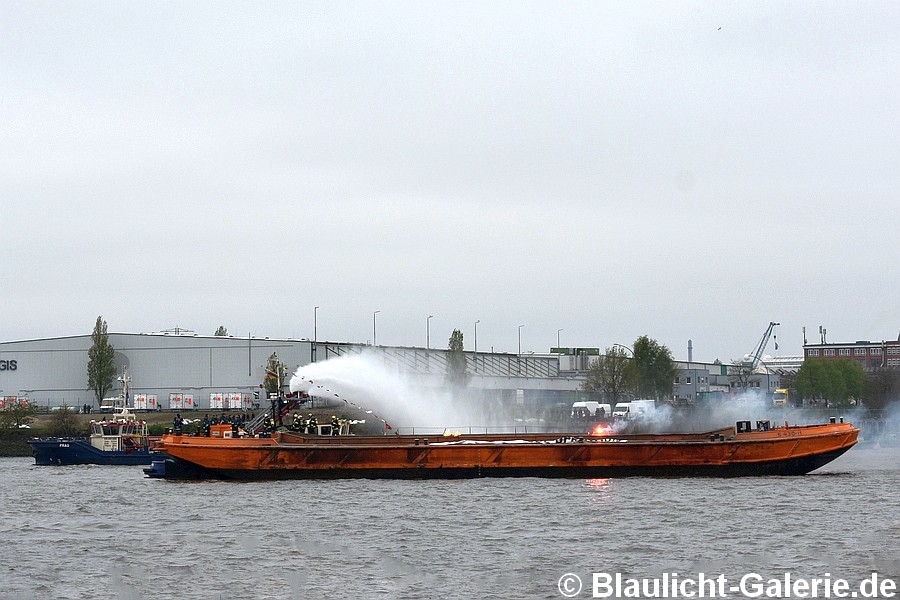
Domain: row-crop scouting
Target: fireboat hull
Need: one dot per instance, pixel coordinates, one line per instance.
(795, 450)
(79, 451)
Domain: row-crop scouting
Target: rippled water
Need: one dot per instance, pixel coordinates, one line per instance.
(92, 532)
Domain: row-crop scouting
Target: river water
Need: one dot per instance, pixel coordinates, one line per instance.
(108, 532)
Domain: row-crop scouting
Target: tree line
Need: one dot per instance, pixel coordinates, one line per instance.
(648, 371)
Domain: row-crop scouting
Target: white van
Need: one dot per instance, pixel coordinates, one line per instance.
(623, 410)
(642, 408)
(590, 408)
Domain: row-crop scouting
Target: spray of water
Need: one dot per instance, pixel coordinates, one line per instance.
(364, 382)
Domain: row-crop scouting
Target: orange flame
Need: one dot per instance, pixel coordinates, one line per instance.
(601, 430)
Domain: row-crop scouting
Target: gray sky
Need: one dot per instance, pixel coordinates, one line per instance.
(613, 169)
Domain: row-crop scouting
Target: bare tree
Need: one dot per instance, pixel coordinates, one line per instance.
(740, 373)
(612, 374)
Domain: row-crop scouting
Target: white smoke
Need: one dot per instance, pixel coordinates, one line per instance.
(750, 406)
(363, 382)
(881, 426)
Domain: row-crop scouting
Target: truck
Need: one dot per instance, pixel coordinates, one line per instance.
(781, 398)
(635, 409)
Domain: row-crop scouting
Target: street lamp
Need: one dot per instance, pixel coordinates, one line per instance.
(558, 350)
(626, 348)
(428, 332)
(374, 340)
(520, 338)
(315, 332)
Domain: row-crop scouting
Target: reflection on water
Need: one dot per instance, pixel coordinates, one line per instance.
(600, 489)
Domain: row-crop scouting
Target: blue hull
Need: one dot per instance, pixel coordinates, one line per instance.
(78, 451)
(157, 468)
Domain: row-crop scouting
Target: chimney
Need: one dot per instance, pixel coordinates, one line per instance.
(690, 351)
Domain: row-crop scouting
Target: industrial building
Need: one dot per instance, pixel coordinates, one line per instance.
(871, 355)
(182, 370)
(174, 366)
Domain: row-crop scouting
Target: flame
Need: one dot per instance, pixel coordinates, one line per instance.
(601, 430)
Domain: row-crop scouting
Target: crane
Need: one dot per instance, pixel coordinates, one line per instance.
(753, 361)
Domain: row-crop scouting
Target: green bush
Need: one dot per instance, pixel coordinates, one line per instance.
(14, 442)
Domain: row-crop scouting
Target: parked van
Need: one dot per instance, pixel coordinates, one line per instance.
(623, 410)
(642, 408)
(634, 409)
(590, 409)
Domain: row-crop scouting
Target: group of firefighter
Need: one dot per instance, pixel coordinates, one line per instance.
(310, 424)
(236, 421)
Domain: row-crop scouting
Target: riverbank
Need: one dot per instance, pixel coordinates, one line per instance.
(14, 442)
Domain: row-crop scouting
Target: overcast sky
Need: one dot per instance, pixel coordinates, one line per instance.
(612, 169)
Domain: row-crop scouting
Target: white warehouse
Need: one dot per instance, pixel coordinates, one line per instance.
(53, 371)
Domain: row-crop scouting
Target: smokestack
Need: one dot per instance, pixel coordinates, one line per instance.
(690, 351)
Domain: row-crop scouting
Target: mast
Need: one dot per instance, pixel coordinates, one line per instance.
(126, 380)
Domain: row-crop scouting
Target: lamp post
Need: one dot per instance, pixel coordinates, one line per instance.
(626, 348)
(428, 332)
(477, 321)
(315, 332)
(374, 337)
(520, 338)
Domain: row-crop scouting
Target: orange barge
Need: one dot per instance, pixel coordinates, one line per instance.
(731, 452)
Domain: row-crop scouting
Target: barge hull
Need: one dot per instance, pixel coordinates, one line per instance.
(178, 469)
(785, 451)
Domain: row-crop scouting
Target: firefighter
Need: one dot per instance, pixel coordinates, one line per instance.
(335, 425)
(313, 427)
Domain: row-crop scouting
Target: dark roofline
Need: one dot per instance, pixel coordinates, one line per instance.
(851, 344)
